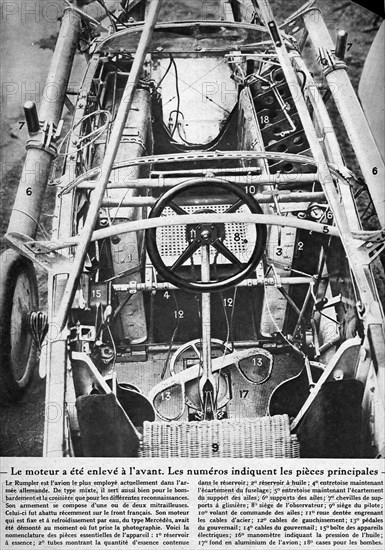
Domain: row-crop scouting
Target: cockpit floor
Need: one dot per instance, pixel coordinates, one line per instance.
(248, 400)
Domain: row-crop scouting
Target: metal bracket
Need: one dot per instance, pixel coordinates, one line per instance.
(371, 242)
(295, 19)
(328, 61)
(321, 305)
(46, 137)
(276, 277)
(39, 253)
(334, 363)
(68, 103)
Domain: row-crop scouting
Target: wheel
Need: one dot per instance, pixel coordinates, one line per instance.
(213, 235)
(18, 298)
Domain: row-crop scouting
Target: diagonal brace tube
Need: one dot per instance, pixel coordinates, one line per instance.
(108, 161)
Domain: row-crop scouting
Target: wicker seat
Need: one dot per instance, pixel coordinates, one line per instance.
(264, 437)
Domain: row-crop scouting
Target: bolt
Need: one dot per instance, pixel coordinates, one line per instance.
(206, 234)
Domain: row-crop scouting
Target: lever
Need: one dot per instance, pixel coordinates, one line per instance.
(31, 117)
(340, 49)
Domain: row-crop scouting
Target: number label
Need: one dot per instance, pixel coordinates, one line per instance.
(179, 314)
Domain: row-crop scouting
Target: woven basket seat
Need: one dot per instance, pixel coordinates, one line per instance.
(263, 437)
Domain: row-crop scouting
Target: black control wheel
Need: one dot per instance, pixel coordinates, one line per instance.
(18, 299)
(203, 234)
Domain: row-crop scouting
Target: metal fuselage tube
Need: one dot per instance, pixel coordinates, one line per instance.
(206, 313)
(108, 161)
(352, 115)
(208, 387)
(33, 182)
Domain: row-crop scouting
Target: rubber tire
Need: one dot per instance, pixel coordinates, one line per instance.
(17, 278)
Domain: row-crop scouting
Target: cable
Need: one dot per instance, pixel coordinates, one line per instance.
(228, 322)
(297, 350)
(229, 332)
(177, 96)
(40, 226)
(229, 337)
(108, 13)
(167, 361)
(232, 318)
(165, 74)
(198, 301)
(93, 134)
(189, 143)
(111, 16)
(304, 80)
(113, 346)
(178, 129)
(177, 110)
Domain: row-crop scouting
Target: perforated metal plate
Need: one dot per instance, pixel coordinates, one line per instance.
(240, 238)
